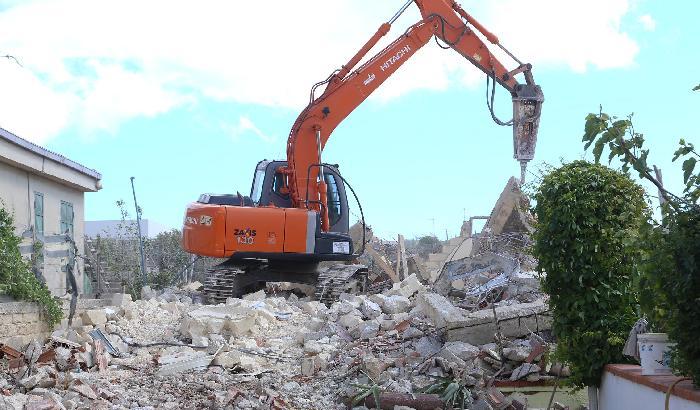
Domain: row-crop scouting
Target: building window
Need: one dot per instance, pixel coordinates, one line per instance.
(67, 218)
(39, 213)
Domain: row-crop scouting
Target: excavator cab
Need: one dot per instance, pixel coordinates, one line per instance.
(270, 188)
(265, 226)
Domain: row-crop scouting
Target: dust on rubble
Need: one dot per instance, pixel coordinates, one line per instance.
(269, 351)
(471, 313)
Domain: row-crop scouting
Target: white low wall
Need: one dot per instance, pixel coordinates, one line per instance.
(617, 393)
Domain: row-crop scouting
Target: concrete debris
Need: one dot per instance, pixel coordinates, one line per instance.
(193, 362)
(483, 321)
(513, 321)
(120, 299)
(147, 293)
(524, 370)
(94, 317)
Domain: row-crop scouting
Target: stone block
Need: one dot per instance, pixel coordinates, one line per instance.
(228, 360)
(354, 300)
(147, 293)
(350, 320)
(312, 347)
(410, 286)
(378, 299)
(441, 312)
(255, 297)
(215, 326)
(315, 324)
(120, 299)
(171, 307)
(368, 330)
(396, 304)
(193, 328)
(193, 287)
(94, 317)
(314, 308)
(370, 309)
(240, 326)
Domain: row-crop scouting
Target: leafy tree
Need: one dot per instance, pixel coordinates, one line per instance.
(428, 244)
(587, 218)
(165, 258)
(670, 280)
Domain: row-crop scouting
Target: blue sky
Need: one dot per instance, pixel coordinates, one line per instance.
(194, 112)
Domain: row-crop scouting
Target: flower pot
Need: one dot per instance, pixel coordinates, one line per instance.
(655, 353)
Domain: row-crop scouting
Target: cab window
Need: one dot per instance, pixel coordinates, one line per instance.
(257, 186)
(333, 197)
(278, 183)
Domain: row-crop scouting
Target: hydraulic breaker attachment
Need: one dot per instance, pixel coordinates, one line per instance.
(527, 107)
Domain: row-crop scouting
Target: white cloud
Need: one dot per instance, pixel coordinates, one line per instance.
(648, 22)
(245, 126)
(572, 33)
(102, 63)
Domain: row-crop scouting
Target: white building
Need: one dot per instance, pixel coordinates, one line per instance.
(45, 192)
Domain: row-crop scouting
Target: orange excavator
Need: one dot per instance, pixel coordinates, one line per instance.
(297, 214)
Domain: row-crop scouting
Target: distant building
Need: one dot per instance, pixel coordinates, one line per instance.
(45, 192)
(116, 228)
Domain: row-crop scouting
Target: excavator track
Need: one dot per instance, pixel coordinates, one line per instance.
(220, 284)
(226, 281)
(339, 278)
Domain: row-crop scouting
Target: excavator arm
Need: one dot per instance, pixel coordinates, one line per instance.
(346, 89)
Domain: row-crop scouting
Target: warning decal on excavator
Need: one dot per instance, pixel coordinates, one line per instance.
(341, 247)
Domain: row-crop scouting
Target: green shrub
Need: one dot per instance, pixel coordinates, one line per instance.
(588, 217)
(683, 288)
(16, 276)
(670, 280)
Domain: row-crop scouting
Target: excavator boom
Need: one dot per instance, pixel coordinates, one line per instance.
(346, 90)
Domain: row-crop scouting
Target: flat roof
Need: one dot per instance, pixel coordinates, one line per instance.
(8, 136)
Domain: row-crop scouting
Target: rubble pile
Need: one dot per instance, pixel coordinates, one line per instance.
(264, 351)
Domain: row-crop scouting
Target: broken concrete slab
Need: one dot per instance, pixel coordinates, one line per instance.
(524, 370)
(407, 287)
(193, 287)
(464, 351)
(517, 353)
(186, 364)
(514, 321)
(240, 326)
(441, 311)
(510, 212)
